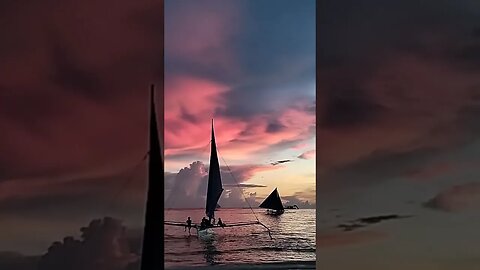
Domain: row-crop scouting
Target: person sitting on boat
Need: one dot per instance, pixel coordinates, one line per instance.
(208, 222)
(189, 225)
(203, 224)
(220, 223)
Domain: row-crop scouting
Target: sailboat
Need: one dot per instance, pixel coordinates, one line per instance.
(214, 192)
(273, 204)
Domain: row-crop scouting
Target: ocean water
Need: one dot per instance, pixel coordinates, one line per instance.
(293, 239)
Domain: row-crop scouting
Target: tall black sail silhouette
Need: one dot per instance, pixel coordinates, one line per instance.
(152, 250)
(214, 189)
(273, 201)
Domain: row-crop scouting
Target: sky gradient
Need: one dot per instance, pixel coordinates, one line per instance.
(74, 112)
(397, 135)
(250, 65)
(74, 115)
(396, 143)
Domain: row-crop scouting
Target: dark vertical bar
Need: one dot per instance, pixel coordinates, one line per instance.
(152, 249)
(152, 252)
(317, 94)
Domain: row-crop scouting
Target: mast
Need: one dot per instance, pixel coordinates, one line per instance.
(214, 188)
(152, 250)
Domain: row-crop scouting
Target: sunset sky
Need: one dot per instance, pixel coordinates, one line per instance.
(397, 134)
(393, 166)
(250, 65)
(74, 107)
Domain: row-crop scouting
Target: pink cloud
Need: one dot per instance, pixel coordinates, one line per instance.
(73, 113)
(67, 104)
(190, 105)
(202, 33)
(192, 98)
(433, 171)
(417, 109)
(307, 155)
(235, 137)
(300, 146)
(457, 198)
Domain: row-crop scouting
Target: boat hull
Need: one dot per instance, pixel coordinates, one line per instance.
(274, 212)
(205, 233)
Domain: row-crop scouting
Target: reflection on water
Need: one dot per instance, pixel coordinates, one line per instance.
(210, 250)
(293, 233)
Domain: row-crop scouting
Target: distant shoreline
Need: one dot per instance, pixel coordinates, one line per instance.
(260, 266)
(203, 208)
(220, 209)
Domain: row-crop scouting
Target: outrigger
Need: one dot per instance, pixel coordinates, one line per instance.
(214, 191)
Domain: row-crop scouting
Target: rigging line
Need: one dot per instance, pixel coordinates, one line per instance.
(236, 182)
(241, 191)
(124, 184)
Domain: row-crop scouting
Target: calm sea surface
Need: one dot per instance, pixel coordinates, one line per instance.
(293, 238)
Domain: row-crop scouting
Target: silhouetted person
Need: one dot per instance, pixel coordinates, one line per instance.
(220, 223)
(203, 224)
(189, 225)
(208, 222)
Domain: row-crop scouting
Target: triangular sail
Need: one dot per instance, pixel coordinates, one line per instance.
(273, 201)
(153, 231)
(214, 189)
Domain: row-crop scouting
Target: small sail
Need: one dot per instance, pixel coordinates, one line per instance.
(153, 231)
(273, 201)
(214, 189)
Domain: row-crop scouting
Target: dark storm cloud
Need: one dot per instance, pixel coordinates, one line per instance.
(281, 162)
(70, 74)
(390, 25)
(347, 105)
(366, 221)
(378, 219)
(18, 261)
(350, 227)
(275, 126)
(104, 244)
